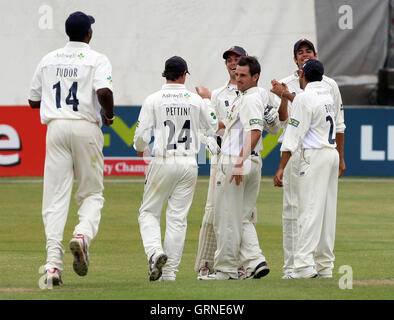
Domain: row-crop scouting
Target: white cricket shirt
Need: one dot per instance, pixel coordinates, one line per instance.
(312, 121)
(66, 81)
(176, 115)
(246, 114)
(293, 84)
(222, 100)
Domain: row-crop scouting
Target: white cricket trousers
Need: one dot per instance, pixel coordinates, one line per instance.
(318, 188)
(72, 146)
(169, 180)
(236, 236)
(290, 211)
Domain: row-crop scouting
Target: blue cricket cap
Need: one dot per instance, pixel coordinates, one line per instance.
(78, 24)
(313, 70)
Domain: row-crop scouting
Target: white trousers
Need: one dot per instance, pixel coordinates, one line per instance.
(290, 211)
(72, 146)
(207, 239)
(318, 188)
(236, 236)
(168, 180)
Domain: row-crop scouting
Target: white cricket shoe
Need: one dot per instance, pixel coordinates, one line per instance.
(156, 263)
(167, 278)
(53, 277)
(79, 249)
(204, 271)
(218, 276)
(307, 273)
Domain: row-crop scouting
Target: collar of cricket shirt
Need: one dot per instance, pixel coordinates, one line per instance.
(77, 44)
(250, 90)
(174, 86)
(314, 84)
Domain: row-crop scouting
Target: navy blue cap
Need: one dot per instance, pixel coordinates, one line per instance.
(176, 64)
(313, 70)
(303, 41)
(78, 24)
(235, 49)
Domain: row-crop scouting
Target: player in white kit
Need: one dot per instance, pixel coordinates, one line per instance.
(312, 124)
(221, 100)
(176, 115)
(303, 50)
(238, 180)
(68, 86)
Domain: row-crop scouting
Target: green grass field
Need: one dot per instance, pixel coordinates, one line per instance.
(118, 267)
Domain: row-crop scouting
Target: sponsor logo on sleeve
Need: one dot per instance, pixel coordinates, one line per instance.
(255, 121)
(293, 122)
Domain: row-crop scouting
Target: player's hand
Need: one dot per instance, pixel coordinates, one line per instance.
(107, 121)
(144, 153)
(342, 167)
(203, 92)
(278, 178)
(278, 88)
(237, 173)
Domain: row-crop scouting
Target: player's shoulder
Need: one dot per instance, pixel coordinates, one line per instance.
(219, 90)
(291, 79)
(329, 82)
(304, 96)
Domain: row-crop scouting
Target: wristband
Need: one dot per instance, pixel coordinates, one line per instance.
(109, 119)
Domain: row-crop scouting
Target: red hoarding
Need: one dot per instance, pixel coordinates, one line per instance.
(22, 142)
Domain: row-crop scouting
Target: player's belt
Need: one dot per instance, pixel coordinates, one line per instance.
(254, 153)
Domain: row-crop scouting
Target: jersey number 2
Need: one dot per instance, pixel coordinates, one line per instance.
(331, 140)
(183, 137)
(71, 99)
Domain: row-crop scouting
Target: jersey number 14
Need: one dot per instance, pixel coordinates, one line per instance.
(71, 99)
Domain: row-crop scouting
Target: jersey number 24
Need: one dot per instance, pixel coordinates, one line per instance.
(183, 137)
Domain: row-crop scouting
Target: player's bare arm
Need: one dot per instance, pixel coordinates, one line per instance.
(281, 90)
(34, 104)
(340, 138)
(283, 107)
(278, 178)
(203, 92)
(106, 100)
(250, 142)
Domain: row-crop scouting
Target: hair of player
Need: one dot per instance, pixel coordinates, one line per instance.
(79, 37)
(313, 76)
(252, 62)
(172, 75)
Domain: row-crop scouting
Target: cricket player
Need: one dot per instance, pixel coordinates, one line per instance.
(312, 124)
(176, 115)
(221, 100)
(238, 180)
(69, 86)
(286, 89)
